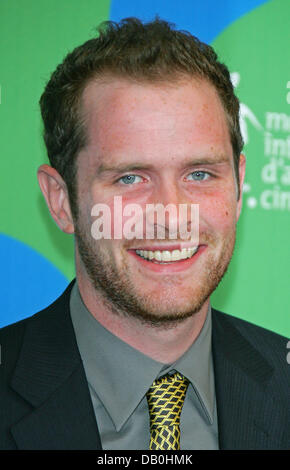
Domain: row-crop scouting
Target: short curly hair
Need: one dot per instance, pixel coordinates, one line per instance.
(147, 52)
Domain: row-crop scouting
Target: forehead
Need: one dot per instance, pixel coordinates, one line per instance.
(121, 114)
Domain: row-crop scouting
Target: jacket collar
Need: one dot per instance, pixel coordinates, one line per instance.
(50, 376)
(248, 417)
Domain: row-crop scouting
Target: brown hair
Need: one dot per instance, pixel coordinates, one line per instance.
(153, 51)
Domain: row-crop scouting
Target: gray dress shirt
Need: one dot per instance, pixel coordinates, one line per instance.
(119, 376)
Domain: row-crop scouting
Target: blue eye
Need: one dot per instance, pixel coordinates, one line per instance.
(199, 175)
(130, 179)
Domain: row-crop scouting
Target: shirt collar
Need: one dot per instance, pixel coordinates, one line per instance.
(197, 365)
(121, 375)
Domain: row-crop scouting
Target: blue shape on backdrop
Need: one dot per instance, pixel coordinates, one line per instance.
(28, 281)
(204, 19)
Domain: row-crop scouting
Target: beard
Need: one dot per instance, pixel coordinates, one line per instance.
(118, 291)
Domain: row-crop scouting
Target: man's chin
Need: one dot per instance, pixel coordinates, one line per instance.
(159, 311)
(157, 318)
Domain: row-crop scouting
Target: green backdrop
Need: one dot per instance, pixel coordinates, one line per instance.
(34, 37)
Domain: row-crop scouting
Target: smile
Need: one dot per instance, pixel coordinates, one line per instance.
(166, 256)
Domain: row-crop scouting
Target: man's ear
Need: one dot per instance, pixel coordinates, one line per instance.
(242, 170)
(55, 193)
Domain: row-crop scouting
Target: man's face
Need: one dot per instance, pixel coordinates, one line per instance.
(149, 144)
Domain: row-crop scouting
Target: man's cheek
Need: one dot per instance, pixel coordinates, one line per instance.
(101, 222)
(219, 213)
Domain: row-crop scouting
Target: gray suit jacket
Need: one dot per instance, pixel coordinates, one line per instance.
(45, 401)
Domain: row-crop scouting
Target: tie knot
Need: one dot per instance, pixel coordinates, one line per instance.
(165, 400)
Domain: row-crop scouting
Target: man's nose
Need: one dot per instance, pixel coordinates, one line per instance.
(171, 213)
(168, 193)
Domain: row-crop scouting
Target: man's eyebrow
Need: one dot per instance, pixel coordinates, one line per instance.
(121, 168)
(104, 169)
(208, 161)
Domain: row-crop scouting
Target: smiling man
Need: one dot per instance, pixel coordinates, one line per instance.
(132, 355)
(162, 132)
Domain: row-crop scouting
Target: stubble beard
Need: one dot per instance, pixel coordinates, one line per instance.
(115, 286)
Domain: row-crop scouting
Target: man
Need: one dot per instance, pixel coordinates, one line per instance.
(132, 355)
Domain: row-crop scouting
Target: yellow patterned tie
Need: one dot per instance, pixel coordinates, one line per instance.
(165, 400)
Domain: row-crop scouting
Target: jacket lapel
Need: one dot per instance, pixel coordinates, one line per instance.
(248, 417)
(50, 376)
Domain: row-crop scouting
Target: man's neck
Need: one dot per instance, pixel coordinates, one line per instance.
(163, 343)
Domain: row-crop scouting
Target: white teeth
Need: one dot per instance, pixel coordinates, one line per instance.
(184, 253)
(175, 255)
(150, 254)
(166, 255)
(157, 255)
(191, 251)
